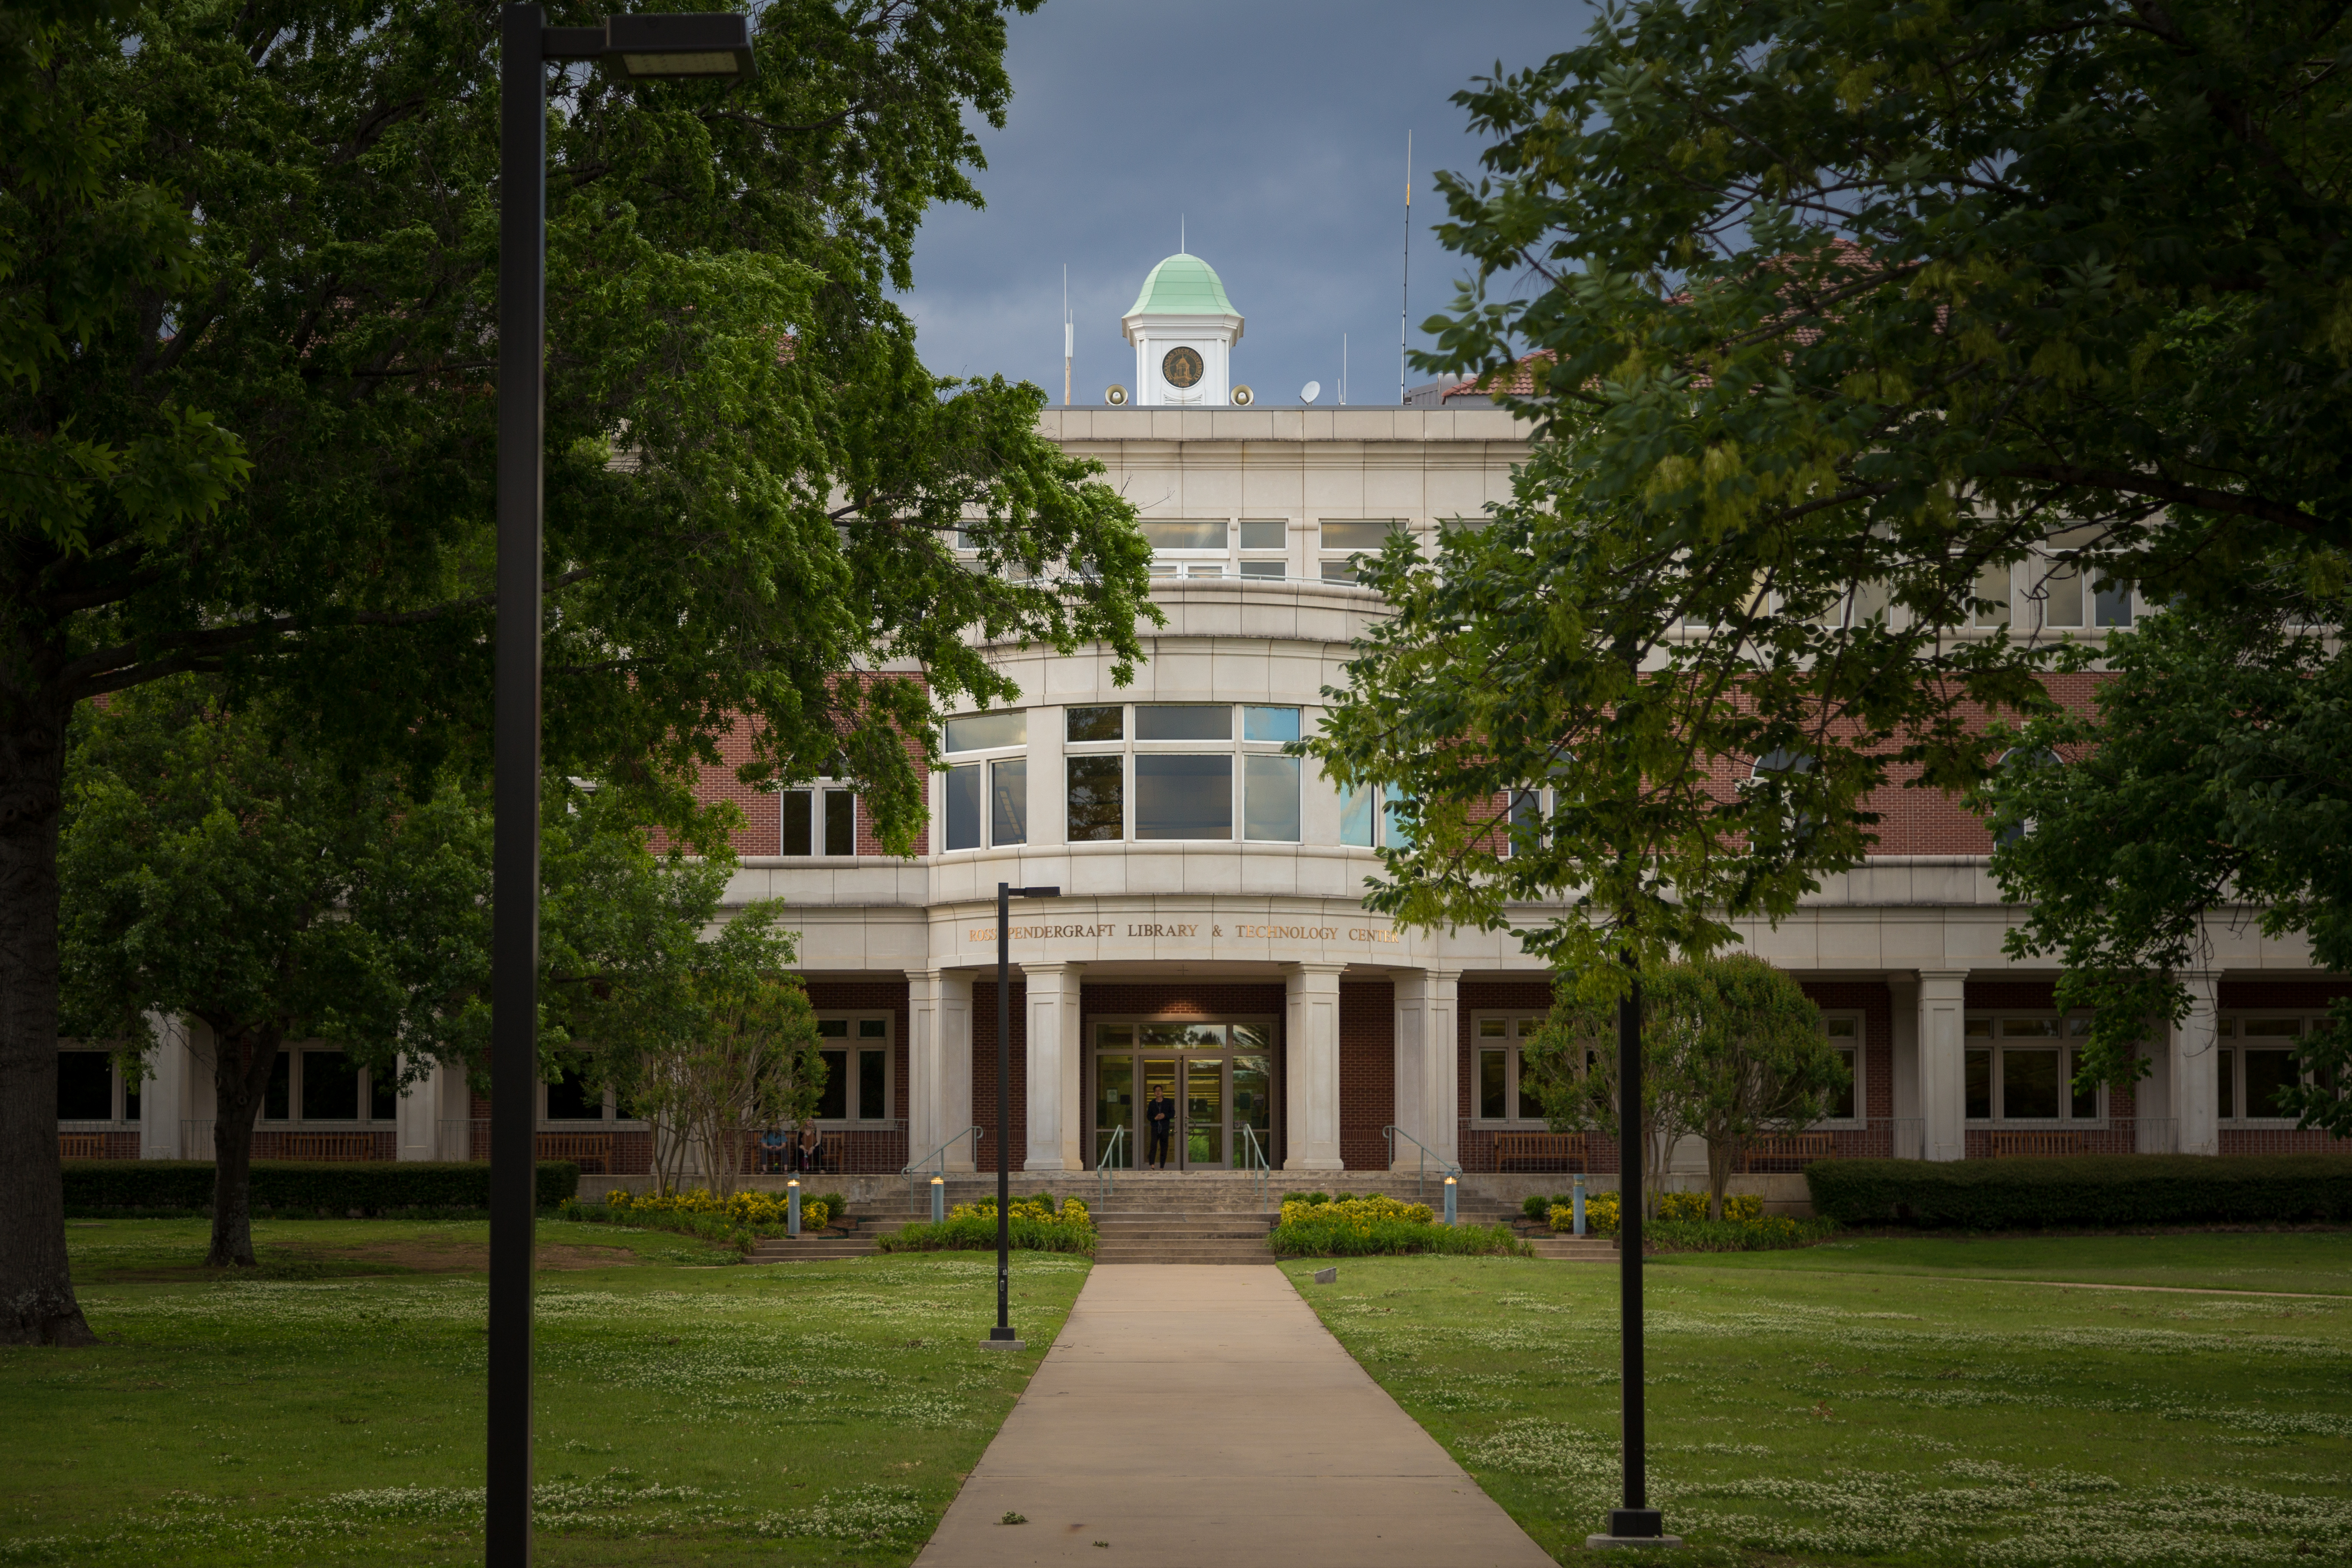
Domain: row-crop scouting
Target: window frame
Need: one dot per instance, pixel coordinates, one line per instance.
(1237, 747)
(367, 1120)
(2230, 1039)
(2073, 1033)
(1513, 1040)
(816, 792)
(1337, 564)
(612, 1117)
(118, 1087)
(855, 1043)
(1193, 562)
(984, 761)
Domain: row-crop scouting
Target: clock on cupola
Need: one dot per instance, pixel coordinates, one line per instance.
(1184, 328)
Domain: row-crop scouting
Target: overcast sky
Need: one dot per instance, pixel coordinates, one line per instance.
(1274, 129)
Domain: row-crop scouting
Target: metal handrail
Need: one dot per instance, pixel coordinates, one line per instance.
(916, 1169)
(1104, 1183)
(1420, 1182)
(1256, 1162)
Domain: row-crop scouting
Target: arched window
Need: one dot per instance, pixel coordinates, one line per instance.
(2014, 759)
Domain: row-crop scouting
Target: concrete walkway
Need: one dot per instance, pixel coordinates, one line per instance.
(1193, 1416)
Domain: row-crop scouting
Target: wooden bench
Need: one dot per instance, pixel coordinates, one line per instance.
(592, 1152)
(2006, 1145)
(1787, 1151)
(1540, 1151)
(81, 1145)
(351, 1146)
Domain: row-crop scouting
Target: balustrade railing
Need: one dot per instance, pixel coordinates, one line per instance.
(918, 1173)
(1426, 1158)
(1252, 1155)
(1106, 1180)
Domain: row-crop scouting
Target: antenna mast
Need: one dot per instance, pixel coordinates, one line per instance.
(1405, 297)
(1066, 334)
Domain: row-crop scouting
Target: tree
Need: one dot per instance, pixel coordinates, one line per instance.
(752, 482)
(1732, 1051)
(2212, 774)
(1824, 347)
(213, 870)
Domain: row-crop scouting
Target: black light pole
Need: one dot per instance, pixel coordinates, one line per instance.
(1636, 1523)
(1001, 1336)
(676, 46)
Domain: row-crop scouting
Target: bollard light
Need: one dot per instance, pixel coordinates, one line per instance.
(792, 1206)
(1449, 1197)
(938, 1200)
(1579, 1205)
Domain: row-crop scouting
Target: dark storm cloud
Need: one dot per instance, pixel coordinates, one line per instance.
(1276, 130)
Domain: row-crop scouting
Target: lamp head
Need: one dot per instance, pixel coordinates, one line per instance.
(1449, 1178)
(792, 1182)
(939, 1181)
(713, 45)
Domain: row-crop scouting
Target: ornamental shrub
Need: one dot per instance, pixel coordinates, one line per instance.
(1039, 1210)
(304, 1186)
(1320, 1231)
(2088, 1190)
(971, 1227)
(1600, 1215)
(1376, 1206)
(1744, 1207)
(752, 1211)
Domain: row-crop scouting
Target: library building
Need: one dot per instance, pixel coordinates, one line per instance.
(1210, 946)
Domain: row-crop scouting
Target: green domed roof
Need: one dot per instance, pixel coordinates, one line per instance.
(1183, 286)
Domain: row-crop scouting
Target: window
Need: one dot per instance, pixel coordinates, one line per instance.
(2059, 593)
(857, 1067)
(1358, 819)
(330, 1087)
(2255, 1062)
(320, 1084)
(572, 1098)
(1189, 780)
(1265, 547)
(1844, 1030)
(1186, 547)
(987, 801)
(1498, 1094)
(816, 821)
(1340, 540)
(2112, 604)
(2022, 1068)
(84, 1086)
(2018, 758)
(1992, 590)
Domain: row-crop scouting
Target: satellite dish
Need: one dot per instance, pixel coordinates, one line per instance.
(1244, 396)
(1310, 392)
(1116, 397)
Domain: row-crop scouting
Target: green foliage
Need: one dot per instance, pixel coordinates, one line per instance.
(304, 1186)
(1323, 1233)
(2211, 774)
(1536, 1205)
(1765, 1232)
(2085, 1190)
(1348, 1209)
(976, 1232)
(1823, 333)
(1732, 1051)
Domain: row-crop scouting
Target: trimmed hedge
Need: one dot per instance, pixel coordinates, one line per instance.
(2093, 1189)
(303, 1186)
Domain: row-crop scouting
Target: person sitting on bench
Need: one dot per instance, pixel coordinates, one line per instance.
(812, 1147)
(772, 1151)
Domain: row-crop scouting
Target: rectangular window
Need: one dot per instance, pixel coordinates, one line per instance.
(330, 1087)
(872, 1067)
(963, 807)
(986, 732)
(1525, 833)
(1493, 1065)
(1008, 801)
(1368, 533)
(1845, 1041)
(1356, 817)
(1095, 723)
(84, 1086)
(1339, 571)
(833, 1101)
(2267, 1072)
(1270, 799)
(2029, 1085)
(383, 1096)
(1276, 724)
(1096, 798)
(1264, 533)
(2112, 604)
(571, 1097)
(1183, 721)
(1976, 1096)
(277, 1096)
(1183, 797)
(1992, 584)
(793, 835)
(840, 822)
(2227, 1063)
(1264, 569)
(2083, 1104)
(1393, 831)
(2062, 597)
(1185, 533)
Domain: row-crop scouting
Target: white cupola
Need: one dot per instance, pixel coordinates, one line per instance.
(1184, 328)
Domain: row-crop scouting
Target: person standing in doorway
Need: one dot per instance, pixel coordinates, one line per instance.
(1160, 1116)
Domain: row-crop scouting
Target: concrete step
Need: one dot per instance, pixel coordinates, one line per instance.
(1240, 1257)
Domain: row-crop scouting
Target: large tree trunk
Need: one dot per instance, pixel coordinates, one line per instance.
(241, 1064)
(37, 1293)
(1722, 1153)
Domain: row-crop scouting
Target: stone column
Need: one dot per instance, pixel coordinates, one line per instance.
(938, 1064)
(416, 1120)
(1903, 997)
(163, 1099)
(1311, 1077)
(1428, 1003)
(1943, 1081)
(1055, 1056)
(2195, 1068)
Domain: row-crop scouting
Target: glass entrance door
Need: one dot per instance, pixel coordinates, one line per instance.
(1213, 1084)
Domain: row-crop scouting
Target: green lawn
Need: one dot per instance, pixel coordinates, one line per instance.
(1872, 1402)
(688, 1407)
